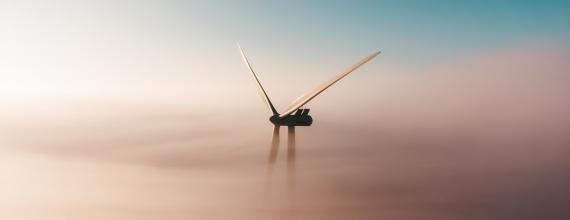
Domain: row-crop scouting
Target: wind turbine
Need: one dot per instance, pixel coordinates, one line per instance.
(295, 115)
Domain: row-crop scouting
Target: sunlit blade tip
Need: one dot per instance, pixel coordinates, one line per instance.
(260, 87)
(318, 90)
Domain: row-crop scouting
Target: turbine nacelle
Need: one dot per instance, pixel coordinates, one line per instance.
(300, 118)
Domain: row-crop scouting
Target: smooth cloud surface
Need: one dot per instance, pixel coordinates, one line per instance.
(480, 138)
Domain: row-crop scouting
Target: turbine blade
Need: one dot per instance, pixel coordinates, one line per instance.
(318, 90)
(273, 151)
(260, 87)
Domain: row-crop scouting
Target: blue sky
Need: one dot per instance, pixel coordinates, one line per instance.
(407, 29)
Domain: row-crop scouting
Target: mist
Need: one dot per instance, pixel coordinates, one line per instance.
(479, 137)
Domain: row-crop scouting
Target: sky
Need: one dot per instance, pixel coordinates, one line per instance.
(135, 42)
(144, 109)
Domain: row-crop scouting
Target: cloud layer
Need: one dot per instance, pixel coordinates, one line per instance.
(476, 138)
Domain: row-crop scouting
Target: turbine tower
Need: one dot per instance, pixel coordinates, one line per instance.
(295, 115)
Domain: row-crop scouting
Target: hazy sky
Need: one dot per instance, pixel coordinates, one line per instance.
(144, 109)
(194, 42)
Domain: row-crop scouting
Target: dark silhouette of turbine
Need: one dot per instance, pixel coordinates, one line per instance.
(294, 115)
